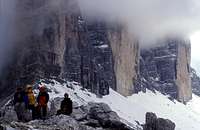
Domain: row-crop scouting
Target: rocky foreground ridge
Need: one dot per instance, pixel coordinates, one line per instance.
(94, 116)
(89, 116)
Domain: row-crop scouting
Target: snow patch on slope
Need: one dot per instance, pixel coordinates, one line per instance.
(184, 116)
(134, 108)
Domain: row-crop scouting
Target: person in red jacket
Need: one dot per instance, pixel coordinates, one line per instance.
(42, 100)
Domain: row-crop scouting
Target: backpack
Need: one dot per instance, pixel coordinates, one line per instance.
(31, 99)
(42, 100)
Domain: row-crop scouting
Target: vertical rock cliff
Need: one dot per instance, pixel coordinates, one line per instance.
(183, 79)
(125, 50)
(166, 68)
(61, 43)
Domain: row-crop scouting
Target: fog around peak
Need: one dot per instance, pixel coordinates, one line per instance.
(150, 19)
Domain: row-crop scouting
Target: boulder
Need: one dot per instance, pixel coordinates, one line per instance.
(1, 127)
(154, 123)
(106, 117)
(151, 121)
(164, 124)
(79, 114)
(9, 113)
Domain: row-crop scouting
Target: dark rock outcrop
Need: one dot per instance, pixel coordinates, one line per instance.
(154, 123)
(1, 127)
(99, 115)
(89, 117)
(195, 82)
(106, 117)
(166, 68)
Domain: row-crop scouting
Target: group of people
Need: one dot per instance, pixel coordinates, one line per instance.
(25, 101)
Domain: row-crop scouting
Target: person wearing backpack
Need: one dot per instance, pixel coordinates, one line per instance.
(19, 104)
(30, 100)
(42, 100)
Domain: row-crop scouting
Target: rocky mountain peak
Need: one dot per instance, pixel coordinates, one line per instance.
(95, 53)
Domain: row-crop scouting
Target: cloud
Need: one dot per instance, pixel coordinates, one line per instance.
(20, 19)
(195, 40)
(148, 19)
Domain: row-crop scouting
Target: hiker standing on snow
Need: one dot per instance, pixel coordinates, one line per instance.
(42, 100)
(19, 103)
(66, 106)
(30, 100)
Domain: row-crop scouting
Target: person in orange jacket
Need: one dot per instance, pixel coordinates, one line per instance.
(42, 100)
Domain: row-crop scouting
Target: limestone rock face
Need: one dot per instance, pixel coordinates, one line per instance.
(183, 79)
(125, 50)
(166, 68)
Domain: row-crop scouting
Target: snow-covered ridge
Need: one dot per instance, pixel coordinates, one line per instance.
(133, 108)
